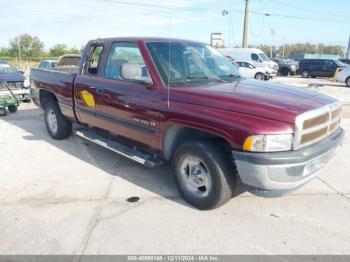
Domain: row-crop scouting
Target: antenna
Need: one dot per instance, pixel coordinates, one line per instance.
(169, 57)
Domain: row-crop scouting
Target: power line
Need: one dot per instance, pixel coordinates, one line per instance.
(166, 7)
(310, 10)
(319, 19)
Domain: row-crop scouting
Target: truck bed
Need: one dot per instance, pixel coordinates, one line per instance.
(58, 82)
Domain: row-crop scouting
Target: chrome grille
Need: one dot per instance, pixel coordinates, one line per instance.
(12, 85)
(317, 124)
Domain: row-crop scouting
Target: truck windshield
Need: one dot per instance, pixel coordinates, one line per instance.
(7, 69)
(185, 64)
(264, 57)
(339, 63)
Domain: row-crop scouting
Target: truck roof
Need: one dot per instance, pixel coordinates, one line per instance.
(145, 39)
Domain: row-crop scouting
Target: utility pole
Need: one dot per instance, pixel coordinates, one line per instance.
(19, 53)
(272, 34)
(246, 25)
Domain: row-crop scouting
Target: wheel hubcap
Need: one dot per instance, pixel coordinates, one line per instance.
(195, 176)
(52, 121)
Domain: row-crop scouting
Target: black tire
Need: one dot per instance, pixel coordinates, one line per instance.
(63, 126)
(347, 82)
(284, 72)
(3, 111)
(221, 174)
(305, 74)
(12, 108)
(259, 76)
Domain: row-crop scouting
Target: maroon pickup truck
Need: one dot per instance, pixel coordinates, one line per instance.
(155, 100)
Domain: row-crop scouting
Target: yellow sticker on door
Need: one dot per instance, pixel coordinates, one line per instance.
(88, 98)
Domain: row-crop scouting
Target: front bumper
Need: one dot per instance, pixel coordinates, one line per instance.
(286, 170)
(22, 94)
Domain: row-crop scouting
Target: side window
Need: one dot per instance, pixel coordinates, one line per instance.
(250, 66)
(94, 60)
(328, 63)
(125, 62)
(255, 57)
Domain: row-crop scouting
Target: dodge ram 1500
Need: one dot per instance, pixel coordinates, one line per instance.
(155, 100)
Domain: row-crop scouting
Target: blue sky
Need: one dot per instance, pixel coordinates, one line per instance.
(76, 21)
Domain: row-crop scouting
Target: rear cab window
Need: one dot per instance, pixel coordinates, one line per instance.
(94, 59)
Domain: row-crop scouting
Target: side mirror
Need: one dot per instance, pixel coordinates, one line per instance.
(21, 72)
(133, 72)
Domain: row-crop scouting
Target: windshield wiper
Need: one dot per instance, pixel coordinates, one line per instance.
(206, 78)
(231, 75)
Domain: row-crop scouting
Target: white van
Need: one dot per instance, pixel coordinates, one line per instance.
(253, 55)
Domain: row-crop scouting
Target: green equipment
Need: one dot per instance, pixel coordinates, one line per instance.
(7, 99)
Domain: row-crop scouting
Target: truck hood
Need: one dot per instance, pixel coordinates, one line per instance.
(14, 77)
(268, 100)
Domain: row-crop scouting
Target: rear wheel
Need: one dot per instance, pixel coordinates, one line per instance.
(259, 76)
(204, 174)
(3, 111)
(12, 108)
(305, 74)
(347, 82)
(57, 126)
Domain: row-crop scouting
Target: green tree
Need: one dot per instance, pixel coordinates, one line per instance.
(4, 51)
(30, 46)
(58, 50)
(62, 49)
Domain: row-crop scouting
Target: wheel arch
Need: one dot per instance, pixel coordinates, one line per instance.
(346, 80)
(46, 96)
(178, 133)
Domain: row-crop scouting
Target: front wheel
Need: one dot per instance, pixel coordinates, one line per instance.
(305, 74)
(347, 82)
(57, 126)
(259, 76)
(205, 174)
(3, 111)
(284, 72)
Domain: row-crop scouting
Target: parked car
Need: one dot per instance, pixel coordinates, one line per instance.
(343, 76)
(47, 64)
(252, 55)
(155, 100)
(15, 80)
(345, 61)
(249, 70)
(319, 67)
(285, 67)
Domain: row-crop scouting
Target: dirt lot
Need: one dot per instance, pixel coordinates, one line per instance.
(70, 197)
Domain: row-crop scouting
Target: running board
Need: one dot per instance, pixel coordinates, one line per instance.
(133, 154)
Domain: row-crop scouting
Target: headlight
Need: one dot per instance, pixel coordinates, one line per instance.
(269, 143)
